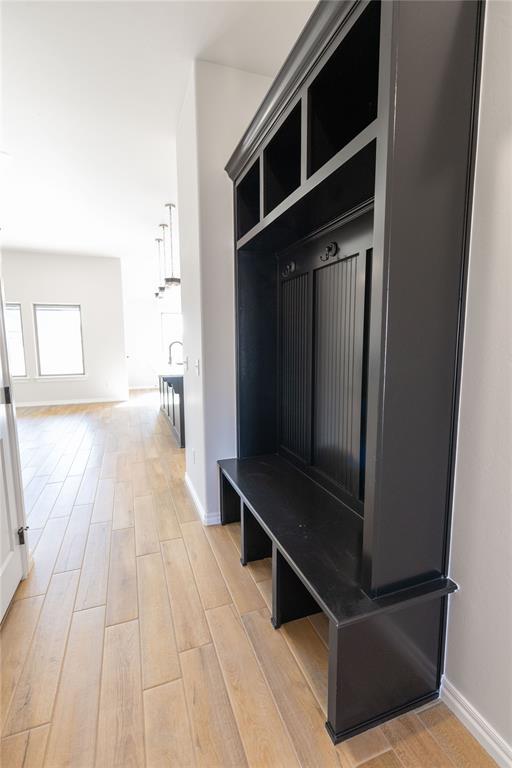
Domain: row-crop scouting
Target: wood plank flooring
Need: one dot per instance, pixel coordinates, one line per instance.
(139, 640)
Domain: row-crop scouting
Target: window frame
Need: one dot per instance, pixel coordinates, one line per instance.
(10, 305)
(60, 305)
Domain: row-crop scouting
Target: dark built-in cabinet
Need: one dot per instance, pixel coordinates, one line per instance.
(352, 194)
(172, 405)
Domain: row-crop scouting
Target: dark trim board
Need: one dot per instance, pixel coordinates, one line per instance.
(338, 737)
(472, 145)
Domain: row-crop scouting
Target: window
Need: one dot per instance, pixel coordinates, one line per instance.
(15, 346)
(59, 339)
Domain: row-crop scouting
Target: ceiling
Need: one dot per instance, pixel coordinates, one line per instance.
(91, 96)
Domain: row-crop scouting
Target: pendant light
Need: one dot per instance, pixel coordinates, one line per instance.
(173, 279)
(157, 292)
(164, 271)
(161, 287)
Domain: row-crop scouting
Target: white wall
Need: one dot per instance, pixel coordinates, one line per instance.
(190, 254)
(91, 94)
(95, 284)
(479, 653)
(219, 104)
(142, 312)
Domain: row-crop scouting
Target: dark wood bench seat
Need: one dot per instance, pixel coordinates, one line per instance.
(384, 651)
(318, 536)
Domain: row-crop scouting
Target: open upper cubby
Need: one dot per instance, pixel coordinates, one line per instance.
(347, 188)
(282, 161)
(248, 200)
(342, 100)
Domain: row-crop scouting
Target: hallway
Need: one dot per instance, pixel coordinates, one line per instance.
(138, 639)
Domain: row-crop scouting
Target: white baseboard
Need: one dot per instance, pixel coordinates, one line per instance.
(74, 401)
(490, 740)
(203, 514)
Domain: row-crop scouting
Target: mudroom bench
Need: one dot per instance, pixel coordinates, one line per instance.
(315, 542)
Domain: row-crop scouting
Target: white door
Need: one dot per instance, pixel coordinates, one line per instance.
(13, 555)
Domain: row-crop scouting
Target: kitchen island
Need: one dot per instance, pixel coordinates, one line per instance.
(172, 404)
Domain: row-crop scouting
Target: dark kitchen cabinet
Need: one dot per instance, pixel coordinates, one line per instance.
(172, 405)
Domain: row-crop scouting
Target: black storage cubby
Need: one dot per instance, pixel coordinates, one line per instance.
(349, 325)
(248, 200)
(281, 161)
(346, 192)
(342, 99)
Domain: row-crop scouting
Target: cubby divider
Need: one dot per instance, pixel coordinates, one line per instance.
(248, 200)
(282, 160)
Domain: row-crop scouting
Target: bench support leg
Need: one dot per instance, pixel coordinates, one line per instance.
(255, 544)
(334, 701)
(230, 501)
(290, 598)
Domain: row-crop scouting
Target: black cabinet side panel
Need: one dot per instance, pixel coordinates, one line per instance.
(385, 662)
(410, 447)
(257, 353)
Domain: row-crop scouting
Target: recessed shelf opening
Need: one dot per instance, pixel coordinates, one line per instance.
(248, 200)
(340, 104)
(348, 187)
(282, 161)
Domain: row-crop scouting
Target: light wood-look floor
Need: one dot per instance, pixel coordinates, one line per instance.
(138, 639)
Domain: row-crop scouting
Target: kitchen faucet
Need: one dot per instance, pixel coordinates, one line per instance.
(171, 345)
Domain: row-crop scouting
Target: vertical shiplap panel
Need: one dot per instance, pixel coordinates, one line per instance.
(294, 426)
(336, 399)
